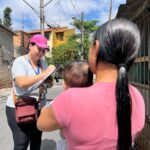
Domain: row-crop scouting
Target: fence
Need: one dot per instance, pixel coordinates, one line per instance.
(139, 75)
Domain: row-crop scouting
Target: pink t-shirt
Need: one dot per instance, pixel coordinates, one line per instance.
(88, 116)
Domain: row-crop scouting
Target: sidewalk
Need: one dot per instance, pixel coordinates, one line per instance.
(4, 92)
(49, 139)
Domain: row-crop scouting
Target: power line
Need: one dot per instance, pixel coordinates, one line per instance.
(78, 13)
(33, 3)
(64, 19)
(47, 3)
(37, 13)
(60, 4)
(77, 5)
(32, 8)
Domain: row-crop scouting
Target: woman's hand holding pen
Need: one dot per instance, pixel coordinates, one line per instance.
(48, 71)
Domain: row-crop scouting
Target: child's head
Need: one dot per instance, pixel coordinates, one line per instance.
(77, 74)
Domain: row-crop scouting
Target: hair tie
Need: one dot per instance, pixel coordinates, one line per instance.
(123, 65)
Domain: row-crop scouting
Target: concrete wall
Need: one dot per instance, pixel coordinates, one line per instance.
(6, 56)
(5, 75)
(6, 44)
(20, 40)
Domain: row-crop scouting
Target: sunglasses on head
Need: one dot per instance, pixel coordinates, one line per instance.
(43, 50)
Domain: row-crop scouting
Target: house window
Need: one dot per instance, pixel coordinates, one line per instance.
(60, 36)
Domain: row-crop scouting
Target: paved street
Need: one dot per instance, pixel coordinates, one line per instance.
(48, 139)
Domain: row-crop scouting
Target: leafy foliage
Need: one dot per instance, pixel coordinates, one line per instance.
(89, 26)
(66, 53)
(71, 51)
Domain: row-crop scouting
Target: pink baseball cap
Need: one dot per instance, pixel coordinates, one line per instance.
(39, 40)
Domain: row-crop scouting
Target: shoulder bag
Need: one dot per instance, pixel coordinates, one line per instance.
(26, 109)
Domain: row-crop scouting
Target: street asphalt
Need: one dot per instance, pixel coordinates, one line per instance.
(49, 139)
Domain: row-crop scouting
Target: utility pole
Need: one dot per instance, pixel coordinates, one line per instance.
(82, 35)
(22, 30)
(110, 10)
(22, 21)
(42, 18)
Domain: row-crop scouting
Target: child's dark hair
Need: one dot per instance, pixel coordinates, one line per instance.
(78, 74)
(119, 43)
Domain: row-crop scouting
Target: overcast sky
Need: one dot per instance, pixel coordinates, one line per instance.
(58, 12)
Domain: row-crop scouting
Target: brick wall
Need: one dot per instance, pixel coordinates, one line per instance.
(20, 40)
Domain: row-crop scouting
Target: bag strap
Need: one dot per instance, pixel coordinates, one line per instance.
(39, 63)
(14, 96)
(13, 92)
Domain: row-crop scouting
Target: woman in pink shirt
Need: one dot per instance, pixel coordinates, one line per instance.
(110, 114)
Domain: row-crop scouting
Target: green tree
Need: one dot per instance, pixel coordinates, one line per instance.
(89, 28)
(70, 51)
(66, 53)
(7, 17)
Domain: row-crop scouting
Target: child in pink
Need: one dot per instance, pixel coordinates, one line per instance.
(76, 74)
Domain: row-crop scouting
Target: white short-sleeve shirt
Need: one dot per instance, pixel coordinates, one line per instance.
(22, 67)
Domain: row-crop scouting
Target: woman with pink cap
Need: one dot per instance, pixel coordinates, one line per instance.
(28, 72)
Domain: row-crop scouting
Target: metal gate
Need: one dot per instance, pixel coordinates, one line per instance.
(139, 75)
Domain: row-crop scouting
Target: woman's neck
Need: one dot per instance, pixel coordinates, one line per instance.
(32, 61)
(106, 73)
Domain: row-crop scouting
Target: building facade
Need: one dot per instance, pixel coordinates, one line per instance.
(6, 56)
(20, 40)
(139, 12)
(55, 36)
(6, 44)
(61, 36)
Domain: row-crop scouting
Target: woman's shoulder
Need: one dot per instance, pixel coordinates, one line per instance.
(21, 59)
(135, 92)
(138, 106)
(133, 88)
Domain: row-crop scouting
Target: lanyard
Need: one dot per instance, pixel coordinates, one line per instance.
(38, 69)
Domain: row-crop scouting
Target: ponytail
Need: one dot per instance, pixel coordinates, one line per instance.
(123, 110)
(119, 43)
